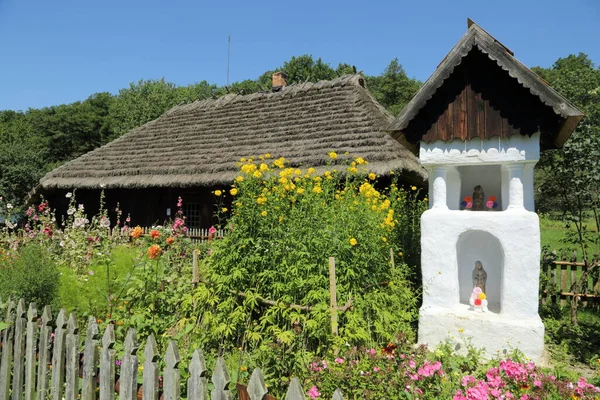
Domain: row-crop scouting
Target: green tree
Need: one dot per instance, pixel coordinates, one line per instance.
(569, 178)
(393, 89)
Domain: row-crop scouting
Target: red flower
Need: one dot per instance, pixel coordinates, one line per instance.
(477, 302)
(492, 198)
(468, 199)
(154, 233)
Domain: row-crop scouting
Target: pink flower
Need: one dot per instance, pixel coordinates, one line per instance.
(489, 204)
(412, 364)
(313, 392)
(537, 383)
(376, 369)
(339, 360)
(470, 204)
(211, 231)
(179, 202)
(372, 351)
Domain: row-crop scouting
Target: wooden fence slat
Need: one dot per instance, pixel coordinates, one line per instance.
(58, 356)
(7, 351)
(256, 387)
(45, 344)
(295, 391)
(563, 282)
(129, 368)
(90, 361)
(107, 364)
(72, 359)
(150, 386)
(220, 380)
(19, 351)
(198, 381)
(338, 395)
(31, 352)
(171, 375)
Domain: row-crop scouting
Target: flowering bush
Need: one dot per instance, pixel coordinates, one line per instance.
(285, 222)
(399, 370)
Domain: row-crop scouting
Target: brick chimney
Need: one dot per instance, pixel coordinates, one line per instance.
(279, 81)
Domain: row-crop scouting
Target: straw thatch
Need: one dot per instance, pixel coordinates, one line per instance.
(199, 144)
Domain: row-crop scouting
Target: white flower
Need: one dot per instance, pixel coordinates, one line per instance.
(105, 222)
(80, 222)
(10, 225)
(80, 207)
(9, 206)
(69, 195)
(62, 243)
(71, 210)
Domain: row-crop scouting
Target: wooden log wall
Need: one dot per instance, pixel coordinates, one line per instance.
(42, 358)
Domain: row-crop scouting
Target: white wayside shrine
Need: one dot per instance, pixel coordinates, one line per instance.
(478, 125)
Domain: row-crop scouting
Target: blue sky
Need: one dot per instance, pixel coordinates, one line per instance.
(61, 51)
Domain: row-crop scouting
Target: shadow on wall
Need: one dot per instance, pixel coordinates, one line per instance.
(477, 245)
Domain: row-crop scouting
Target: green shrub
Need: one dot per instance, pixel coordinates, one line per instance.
(32, 275)
(284, 225)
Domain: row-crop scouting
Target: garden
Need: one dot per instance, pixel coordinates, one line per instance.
(262, 294)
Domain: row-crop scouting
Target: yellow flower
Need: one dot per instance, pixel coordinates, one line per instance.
(279, 163)
(300, 190)
(218, 193)
(243, 368)
(461, 330)
(360, 161)
(264, 213)
(481, 296)
(268, 155)
(281, 218)
(297, 172)
(400, 253)
(264, 167)
(353, 170)
(425, 199)
(261, 200)
(353, 242)
(257, 174)
(317, 189)
(248, 168)
(384, 239)
(310, 171)
(233, 191)
(372, 176)
(333, 155)
(413, 188)
(224, 209)
(242, 159)
(239, 178)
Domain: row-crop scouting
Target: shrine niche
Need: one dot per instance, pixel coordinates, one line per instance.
(478, 125)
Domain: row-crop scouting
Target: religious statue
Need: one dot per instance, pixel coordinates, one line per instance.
(479, 276)
(478, 199)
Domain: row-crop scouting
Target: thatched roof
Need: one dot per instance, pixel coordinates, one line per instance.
(477, 38)
(200, 143)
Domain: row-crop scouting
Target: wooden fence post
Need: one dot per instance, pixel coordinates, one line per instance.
(256, 387)
(171, 374)
(220, 379)
(31, 352)
(44, 350)
(195, 276)
(90, 361)
(72, 359)
(333, 297)
(19, 351)
(295, 391)
(107, 364)
(7, 351)
(197, 382)
(150, 386)
(58, 356)
(129, 368)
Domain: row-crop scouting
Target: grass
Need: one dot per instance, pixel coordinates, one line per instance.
(557, 235)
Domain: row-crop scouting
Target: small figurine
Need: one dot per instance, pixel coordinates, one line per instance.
(479, 276)
(478, 199)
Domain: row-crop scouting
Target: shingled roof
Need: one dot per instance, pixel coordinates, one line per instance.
(200, 143)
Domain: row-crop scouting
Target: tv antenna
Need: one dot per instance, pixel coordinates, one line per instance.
(228, 56)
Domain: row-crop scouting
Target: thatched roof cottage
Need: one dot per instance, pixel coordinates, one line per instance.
(194, 148)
